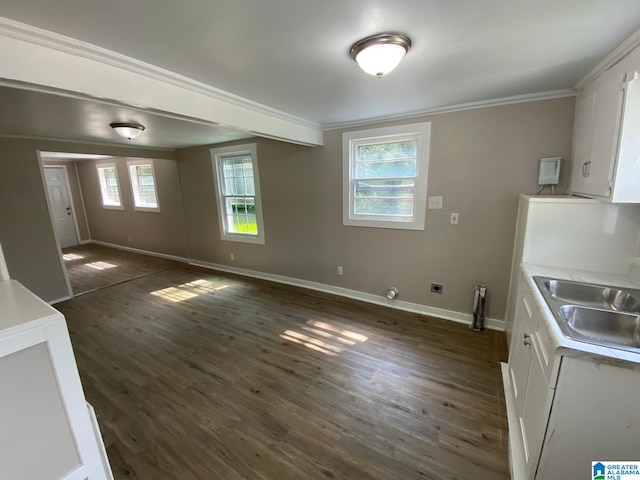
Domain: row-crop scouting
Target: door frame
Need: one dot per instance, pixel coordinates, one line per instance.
(73, 207)
(45, 189)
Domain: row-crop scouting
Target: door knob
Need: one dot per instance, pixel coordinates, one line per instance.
(68, 208)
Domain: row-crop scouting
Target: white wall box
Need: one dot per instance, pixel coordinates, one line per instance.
(48, 431)
(606, 141)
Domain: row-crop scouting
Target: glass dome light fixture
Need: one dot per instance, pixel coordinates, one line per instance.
(127, 130)
(380, 54)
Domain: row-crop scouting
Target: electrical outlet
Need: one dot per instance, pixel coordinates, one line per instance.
(340, 270)
(437, 288)
(232, 256)
(129, 238)
(454, 218)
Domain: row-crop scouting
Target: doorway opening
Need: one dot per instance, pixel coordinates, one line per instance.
(65, 201)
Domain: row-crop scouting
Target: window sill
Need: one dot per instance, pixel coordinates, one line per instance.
(113, 207)
(390, 224)
(147, 209)
(255, 239)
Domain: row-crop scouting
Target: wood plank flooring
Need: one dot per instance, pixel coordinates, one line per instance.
(93, 266)
(196, 374)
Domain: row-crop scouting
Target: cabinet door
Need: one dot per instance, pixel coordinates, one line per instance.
(627, 176)
(520, 358)
(596, 132)
(582, 137)
(534, 416)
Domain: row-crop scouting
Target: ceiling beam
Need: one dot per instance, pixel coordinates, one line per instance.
(50, 62)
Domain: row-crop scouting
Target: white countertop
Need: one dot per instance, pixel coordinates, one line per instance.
(568, 346)
(19, 307)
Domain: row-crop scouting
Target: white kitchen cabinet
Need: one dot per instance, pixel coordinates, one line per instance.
(529, 381)
(606, 140)
(566, 408)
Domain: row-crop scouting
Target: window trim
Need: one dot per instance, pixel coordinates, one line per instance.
(134, 163)
(115, 167)
(421, 132)
(217, 154)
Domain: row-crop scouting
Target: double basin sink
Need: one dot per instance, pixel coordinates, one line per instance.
(598, 314)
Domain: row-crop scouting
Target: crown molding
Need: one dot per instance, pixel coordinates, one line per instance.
(97, 143)
(496, 102)
(624, 49)
(49, 40)
(31, 34)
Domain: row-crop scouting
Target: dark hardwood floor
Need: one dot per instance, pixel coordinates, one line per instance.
(92, 266)
(196, 374)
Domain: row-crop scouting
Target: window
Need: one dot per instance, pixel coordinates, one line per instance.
(385, 176)
(143, 185)
(108, 177)
(238, 189)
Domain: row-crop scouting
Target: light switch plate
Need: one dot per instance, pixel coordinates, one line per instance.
(435, 203)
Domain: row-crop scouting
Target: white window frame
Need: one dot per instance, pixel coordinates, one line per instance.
(134, 183)
(109, 206)
(421, 132)
(217, 154)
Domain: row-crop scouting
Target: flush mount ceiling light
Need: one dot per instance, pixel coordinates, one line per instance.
(379, 54)
(127, 130)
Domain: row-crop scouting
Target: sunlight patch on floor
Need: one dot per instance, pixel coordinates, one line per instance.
(323, 337)
(100, 265)
(67, 257)
(188, 290)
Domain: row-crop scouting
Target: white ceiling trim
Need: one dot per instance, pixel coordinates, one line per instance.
(496, 102)
(70, 157)
(97, 143)
(624, 49)
(35, 56)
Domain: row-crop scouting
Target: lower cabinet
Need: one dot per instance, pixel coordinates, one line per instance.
(566, 409)
(530, 390)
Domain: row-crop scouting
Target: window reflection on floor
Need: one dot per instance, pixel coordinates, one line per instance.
(100, 265)
(188, 290)
(323, 337)
(67, 257)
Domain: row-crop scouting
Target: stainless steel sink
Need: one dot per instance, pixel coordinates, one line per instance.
(593, 295)
(602, 325)
(599, 314)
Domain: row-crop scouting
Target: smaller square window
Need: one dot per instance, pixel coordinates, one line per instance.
(143, 185)
(109, 187)
(385, 176)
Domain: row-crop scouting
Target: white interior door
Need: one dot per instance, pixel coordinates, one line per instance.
(61, 207)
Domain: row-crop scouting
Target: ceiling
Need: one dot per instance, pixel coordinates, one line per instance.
(43, 115)
(292, 55)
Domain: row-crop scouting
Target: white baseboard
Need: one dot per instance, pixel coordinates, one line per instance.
(143, 252)
(85, 242)
(58, 300)
(451, 315)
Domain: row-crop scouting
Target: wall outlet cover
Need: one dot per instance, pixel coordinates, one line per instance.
(435, 203)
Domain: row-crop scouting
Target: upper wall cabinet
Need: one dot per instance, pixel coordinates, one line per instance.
(606, 140)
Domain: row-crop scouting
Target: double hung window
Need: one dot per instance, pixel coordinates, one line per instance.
(108, 178)
(238, 189)
(143, 185)
(385, 176)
